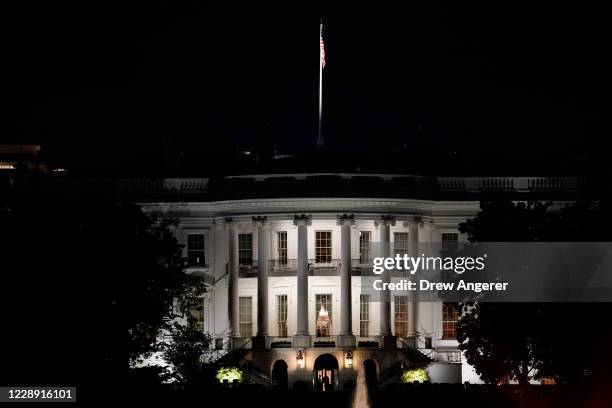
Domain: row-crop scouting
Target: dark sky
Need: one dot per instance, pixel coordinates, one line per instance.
(111, 80)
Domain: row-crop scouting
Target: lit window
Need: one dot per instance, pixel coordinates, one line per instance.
(246, 316)
(364, 315)
(400, 243)
(365, 246)
(245, 249)
(282, 247)
(548, 381)
(195, 250)
(450, 316)
(323, 247)
(401, 316)
(281, 315)
(323, 314)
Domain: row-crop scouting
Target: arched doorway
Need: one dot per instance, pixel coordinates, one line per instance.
(279, 375)
(371, 374)
(325, 373)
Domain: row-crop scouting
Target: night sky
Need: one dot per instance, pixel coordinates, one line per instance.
(111, 82)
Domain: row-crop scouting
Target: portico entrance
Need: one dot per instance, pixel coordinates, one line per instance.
(325, 373)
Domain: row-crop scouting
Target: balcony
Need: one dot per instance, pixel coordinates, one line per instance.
(248, 269)
(282, 267)
(318, 267)
(368, 342)
(288, 267)
(361, 267)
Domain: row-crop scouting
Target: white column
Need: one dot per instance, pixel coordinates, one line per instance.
(413, 319)
(385, 297)
(346, 338)
(302, 338)
(263, 247)
(232, 279)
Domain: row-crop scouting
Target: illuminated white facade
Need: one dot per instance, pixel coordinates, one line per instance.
(272, 264)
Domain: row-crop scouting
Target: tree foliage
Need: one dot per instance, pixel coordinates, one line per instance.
(94, 282)
(184, 353)
(521, 341)
(502, 340)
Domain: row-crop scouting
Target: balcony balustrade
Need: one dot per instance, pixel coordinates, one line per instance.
(288, 267)
(282, 265)
(361, 267)
(323, 266)
(248, 269)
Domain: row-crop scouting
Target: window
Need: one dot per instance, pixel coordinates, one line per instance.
(548, 381)
(323, 315)
(197, 315)
(449, 239)
(400, 243)
(245, 249)
(246, 316)
(364, 246)
(450, 315)
(282, 247)
(364, 315)
(401, 316)
(323, 247)
(450, 236)
(195, 250)
(281, 315)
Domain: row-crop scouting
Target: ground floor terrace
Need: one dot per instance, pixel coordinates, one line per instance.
(336, 369)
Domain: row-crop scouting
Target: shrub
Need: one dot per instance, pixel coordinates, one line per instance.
(230, 374)
(414, 375)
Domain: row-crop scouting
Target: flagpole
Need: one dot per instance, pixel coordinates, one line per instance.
(320, 141)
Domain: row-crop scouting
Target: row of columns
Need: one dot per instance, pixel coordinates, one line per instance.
(302, 337)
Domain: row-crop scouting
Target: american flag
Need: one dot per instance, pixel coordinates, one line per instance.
(322, 47)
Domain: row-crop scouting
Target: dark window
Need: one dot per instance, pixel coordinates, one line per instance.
(323, 247)
(400, 243)
(282, 247)
(449, 240)
(281, 315)
(197, 315)
(365, 247)
(195, 250)
(364, 315)
(245, 305)
(401, 316)
(245, 249)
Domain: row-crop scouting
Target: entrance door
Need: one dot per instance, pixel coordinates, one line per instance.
(325, 380)
(325, 373)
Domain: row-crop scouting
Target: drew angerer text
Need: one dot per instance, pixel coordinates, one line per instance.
(425, 285)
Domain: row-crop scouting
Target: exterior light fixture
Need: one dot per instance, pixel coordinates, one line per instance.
(348, 359)
(300, 359)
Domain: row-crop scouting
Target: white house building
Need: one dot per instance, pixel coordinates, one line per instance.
(283, 255)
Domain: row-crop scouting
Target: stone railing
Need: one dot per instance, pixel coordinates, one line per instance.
(517, 184)
(283, 265)
(368, 342)
(300, 185)
(159, 185)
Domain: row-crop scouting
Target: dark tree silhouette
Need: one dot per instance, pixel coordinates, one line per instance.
(531, 340)
(91, 285)
(184, 353)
